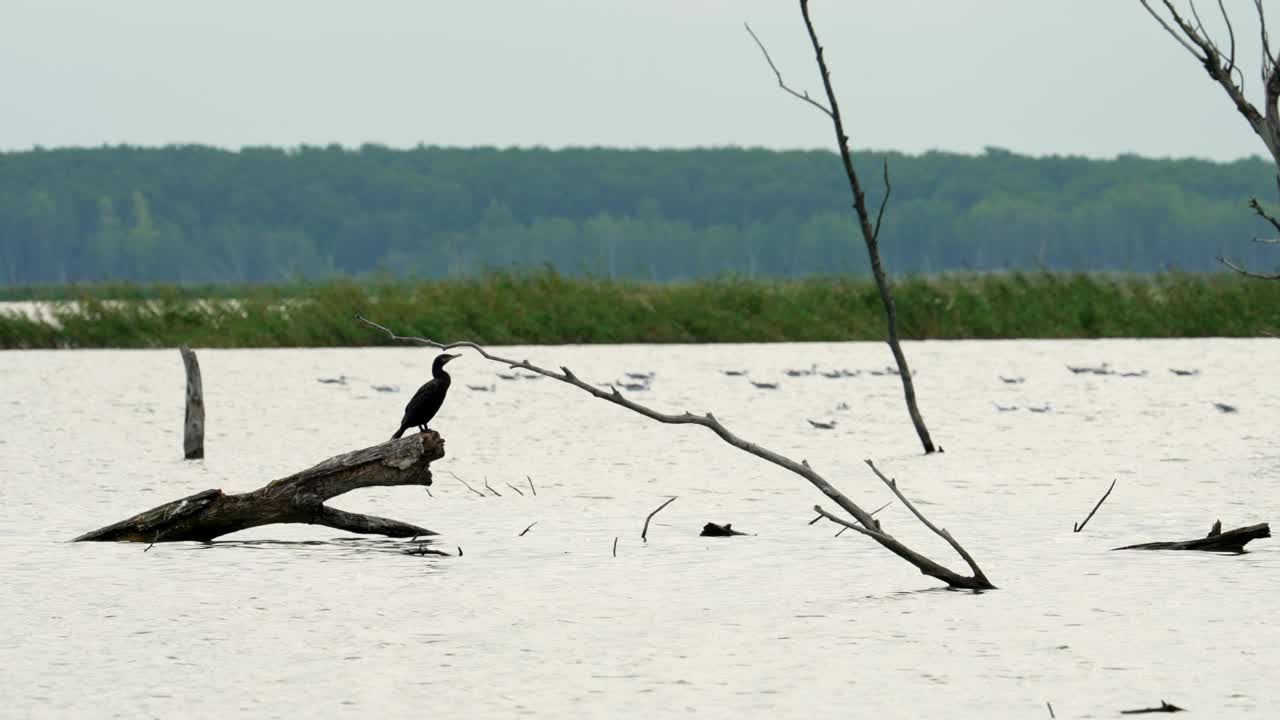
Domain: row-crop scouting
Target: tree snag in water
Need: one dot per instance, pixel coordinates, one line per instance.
(870, 231)
(298, 498)
(193, 423)
(1232, 541)
(866, 524)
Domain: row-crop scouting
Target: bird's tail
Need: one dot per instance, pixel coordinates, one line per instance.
(399, 432)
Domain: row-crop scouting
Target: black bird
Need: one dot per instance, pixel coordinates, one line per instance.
(427, 401)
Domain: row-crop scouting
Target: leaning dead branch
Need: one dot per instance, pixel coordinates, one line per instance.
(870, 230)
(1078, 528)
(645, 533)
(1190, 33)
(977, 581)
(298, 498)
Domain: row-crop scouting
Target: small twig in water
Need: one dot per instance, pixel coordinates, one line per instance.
(873, 512)
(522, 532)
(644, 533)
(1078, 528)
(153, 541)
(615, 547)
(815, 520)
(513, 487)
(486, 487)
(464, 482)
(1050, 706)
(531, 487)
(424, 487)
(459, 551)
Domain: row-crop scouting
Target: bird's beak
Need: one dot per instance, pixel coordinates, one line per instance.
(448, 358)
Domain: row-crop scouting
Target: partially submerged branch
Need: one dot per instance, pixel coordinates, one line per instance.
(709, 421)
(298, 498)
(1107, 494)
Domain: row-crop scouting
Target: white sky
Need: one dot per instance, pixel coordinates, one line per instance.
(1091, 77)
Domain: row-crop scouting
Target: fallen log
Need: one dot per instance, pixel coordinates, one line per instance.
(298, 498)
(726, 530)
(1232, 541)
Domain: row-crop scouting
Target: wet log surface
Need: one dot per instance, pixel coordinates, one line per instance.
(298, 498)
(1231, 541)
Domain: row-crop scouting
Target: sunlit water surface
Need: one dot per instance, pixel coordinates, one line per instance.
(295, 621)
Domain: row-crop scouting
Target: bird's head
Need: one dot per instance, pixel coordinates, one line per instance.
(443, 359)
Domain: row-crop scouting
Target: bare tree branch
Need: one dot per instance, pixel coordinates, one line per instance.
(1247, 272)
(781, 83)
(707, 420)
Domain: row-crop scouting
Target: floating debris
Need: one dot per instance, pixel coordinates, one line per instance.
(734, 373)
(714, 530)
(340, 380)
(1184, 373)
(508, 376)
(1139, 373)
(765, 385)
(1223, 407)
(1103, 369)
(386, 388)
(640, 376)
(1164, 708)
(1042, 409)
(1005, 408)
(482, 388)
(1012, 380)
(829, 425)
(633, 386)
(842, 406)
(534, 376)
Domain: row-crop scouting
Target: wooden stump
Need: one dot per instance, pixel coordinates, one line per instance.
(193, 425)
(298, 498)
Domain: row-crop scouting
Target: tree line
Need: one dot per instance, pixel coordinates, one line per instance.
(201, 214)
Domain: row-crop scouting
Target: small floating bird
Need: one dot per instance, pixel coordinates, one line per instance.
(1184, 373)
(813, 370)
(640, 376)
(830, 425)
(765, 385)
(734, 373)
(425, 403)
(1012, 380)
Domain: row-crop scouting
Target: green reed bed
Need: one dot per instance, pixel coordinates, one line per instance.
(547, 308)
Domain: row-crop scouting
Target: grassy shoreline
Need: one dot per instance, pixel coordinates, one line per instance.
(547, 308)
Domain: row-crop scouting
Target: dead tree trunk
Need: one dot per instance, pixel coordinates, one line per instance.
(193, 424)
(870, 230)
(298, 498)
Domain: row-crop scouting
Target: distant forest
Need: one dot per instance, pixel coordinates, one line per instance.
(200, 214)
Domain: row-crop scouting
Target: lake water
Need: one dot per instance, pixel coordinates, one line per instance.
(293, 621)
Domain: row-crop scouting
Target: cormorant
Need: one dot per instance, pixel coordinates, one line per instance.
(427, 401)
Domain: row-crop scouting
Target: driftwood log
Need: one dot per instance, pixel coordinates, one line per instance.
(298, 498)
(193, 422)
(1232, 541)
